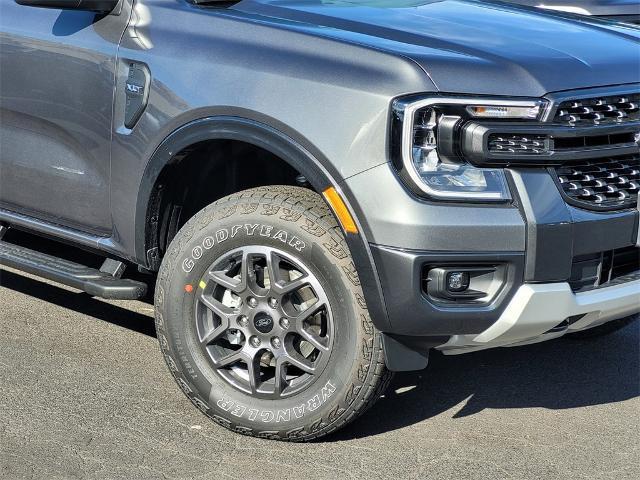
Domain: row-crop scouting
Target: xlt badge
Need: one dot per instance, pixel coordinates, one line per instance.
(137, 93)
(134, 88)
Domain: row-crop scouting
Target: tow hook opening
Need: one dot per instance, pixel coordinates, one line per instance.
(564, 325)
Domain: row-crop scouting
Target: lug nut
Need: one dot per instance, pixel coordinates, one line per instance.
(252, 302)
(255, 341)
(275, 342)
(284, 323)
(273, 303)
(242, 321)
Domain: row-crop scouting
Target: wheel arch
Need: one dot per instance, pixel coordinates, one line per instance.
(309, 162)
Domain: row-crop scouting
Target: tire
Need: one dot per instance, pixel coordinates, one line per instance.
(602, 330)
(322, 372)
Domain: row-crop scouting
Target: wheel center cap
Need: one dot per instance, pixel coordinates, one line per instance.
(263, 322)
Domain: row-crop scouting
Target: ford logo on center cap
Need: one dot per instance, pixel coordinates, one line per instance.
(263, 323)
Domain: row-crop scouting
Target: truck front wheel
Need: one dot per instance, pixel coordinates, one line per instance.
(261, 318)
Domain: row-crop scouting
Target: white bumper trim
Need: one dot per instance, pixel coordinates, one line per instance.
(537, 308)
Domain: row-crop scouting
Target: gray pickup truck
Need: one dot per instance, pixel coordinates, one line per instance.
(317, 193)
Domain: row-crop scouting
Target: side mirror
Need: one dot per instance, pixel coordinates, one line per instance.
(100, 6)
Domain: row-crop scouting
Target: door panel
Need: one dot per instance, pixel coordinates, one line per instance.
(57, 74)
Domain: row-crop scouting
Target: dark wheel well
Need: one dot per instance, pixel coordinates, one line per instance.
(201, 174)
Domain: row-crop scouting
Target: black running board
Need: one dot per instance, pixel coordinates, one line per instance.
(95, 282)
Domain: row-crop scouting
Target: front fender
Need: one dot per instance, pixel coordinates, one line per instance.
(318, 171)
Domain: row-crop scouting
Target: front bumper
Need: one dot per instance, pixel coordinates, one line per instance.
(539, 312)
(538, 239)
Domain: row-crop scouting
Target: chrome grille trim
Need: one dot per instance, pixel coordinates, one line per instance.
(525, 144)
(601, 184)
(619, 108)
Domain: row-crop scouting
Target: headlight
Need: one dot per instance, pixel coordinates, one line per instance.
(429, 155)
(449, 179)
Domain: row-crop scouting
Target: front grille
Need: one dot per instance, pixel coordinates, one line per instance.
(601, 183)
(599, 110)
(602, 269)
(523, 144)
(526, 144)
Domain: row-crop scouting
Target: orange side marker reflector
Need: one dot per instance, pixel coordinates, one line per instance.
(340, 209)
(188, 288)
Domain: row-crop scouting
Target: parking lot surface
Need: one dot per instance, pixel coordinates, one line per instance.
(84, 393)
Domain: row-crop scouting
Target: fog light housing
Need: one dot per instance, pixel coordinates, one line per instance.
(464, 284)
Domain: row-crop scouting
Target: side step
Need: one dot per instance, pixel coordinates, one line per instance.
(97, 283)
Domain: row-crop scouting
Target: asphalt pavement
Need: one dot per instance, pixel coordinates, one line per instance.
(84, 393)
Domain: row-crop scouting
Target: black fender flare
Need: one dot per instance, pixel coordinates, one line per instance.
(314, 166)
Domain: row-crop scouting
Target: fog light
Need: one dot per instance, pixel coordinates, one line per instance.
(457, 281)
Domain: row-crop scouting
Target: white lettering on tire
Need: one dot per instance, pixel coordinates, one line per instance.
(224, 234)
(188, 265)
(269, 416)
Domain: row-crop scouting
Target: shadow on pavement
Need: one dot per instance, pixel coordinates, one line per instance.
(80, 302)
(558, 374)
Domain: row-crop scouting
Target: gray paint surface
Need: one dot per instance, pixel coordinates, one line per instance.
(478, 47)
(298, 67)
(323, 74)
(56, 93)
